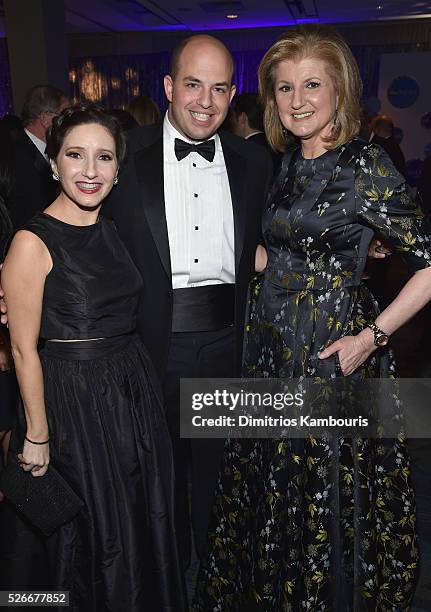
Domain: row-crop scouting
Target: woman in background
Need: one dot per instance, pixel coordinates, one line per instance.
(144, 110)
(320, 524)
(91, 401)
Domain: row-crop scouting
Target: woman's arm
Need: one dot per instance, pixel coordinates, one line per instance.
(383, 204)
(23, 278)
(354, 350)
(415, 294)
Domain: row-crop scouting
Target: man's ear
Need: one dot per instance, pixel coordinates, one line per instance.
(46, 119)
(232, 92)
(168, 83)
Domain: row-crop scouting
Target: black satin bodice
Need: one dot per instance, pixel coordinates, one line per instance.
(93, 288)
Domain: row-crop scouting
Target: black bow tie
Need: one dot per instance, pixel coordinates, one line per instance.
(206, 149)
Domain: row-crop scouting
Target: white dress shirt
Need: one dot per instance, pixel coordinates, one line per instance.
(38, 143)
(199, 215)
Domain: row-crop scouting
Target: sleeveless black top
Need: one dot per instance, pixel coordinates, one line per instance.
(93, 288)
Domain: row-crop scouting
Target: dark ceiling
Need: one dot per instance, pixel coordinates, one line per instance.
(192, 15)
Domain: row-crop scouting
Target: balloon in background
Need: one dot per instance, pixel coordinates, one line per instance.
(371, 106)
(403, 92)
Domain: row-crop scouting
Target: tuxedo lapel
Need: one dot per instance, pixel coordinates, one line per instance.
(41, 165)
(49, 187)
(39, 161)
(236, 166)
(149, 170)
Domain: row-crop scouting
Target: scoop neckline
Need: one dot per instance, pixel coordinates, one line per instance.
(310, 159)
(78, 227)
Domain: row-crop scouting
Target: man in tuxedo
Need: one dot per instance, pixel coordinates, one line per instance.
(248, 123)
(382, 133)
(33, 187)
(188, 206)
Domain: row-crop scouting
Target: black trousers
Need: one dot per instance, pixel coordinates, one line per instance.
(197, 461)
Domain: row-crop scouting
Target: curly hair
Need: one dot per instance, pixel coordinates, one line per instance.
(324, 43)
(84, 114)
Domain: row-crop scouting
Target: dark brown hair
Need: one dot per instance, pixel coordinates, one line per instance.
(83, 114)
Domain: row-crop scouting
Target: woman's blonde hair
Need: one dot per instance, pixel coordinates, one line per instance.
(324, 43)
(144, 110)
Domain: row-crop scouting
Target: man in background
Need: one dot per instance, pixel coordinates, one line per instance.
(248, 123)
(382, 133)
(33, 187)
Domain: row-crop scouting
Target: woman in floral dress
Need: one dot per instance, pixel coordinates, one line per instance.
(319, 524)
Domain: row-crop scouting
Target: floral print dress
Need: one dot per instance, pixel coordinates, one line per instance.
(316, 524)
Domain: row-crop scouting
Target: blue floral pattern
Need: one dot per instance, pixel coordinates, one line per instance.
(318, 524)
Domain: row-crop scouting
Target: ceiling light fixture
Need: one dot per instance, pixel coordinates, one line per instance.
(231, 16)
(379, 7)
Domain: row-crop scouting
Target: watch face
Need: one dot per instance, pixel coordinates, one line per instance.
(382, 340)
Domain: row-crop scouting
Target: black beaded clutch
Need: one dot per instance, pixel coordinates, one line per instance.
(46, 501)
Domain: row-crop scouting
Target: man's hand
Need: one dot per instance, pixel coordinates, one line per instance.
(377, 250)
(261, 258)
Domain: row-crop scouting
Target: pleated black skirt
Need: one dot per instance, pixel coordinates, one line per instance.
(110, 441)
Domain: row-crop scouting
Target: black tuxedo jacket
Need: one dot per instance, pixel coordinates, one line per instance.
(33, 187)
(137, 206)
(260, 139)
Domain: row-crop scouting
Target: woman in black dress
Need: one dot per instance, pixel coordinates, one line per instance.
(91, 401)
(326, 525)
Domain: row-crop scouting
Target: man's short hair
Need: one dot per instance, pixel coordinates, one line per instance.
(249, 103)
(40, 99)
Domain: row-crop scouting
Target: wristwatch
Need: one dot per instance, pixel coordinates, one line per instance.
(380, 337)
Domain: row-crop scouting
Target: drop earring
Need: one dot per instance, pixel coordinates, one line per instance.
(55, 176)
